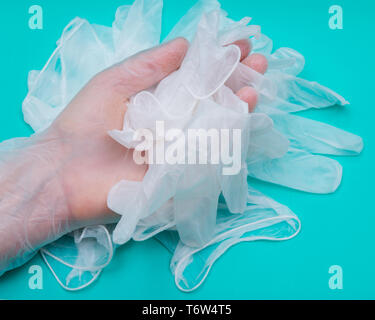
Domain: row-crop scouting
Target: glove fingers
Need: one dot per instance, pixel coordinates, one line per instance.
(300, 170)
(317, 137)
(76, 260)
(286, 60)
(127, 29)
(264, 219)
(296, 94)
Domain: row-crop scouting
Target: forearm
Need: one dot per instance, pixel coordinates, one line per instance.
(33, 206)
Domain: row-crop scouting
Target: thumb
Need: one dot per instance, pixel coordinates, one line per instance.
(147, 68)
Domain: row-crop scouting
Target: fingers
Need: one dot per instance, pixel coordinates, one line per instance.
(147, 68)
(248, 95)
(245, 47)
(257, 61)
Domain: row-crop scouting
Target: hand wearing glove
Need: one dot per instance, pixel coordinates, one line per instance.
(58, 180)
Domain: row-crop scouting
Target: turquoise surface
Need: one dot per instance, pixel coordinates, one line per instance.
(337, 229)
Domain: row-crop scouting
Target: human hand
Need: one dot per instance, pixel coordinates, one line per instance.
(96, 162)
(58, 180)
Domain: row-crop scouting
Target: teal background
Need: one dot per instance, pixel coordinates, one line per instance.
(336, 229)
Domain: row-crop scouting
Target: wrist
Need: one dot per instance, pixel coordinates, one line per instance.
(33, 206)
